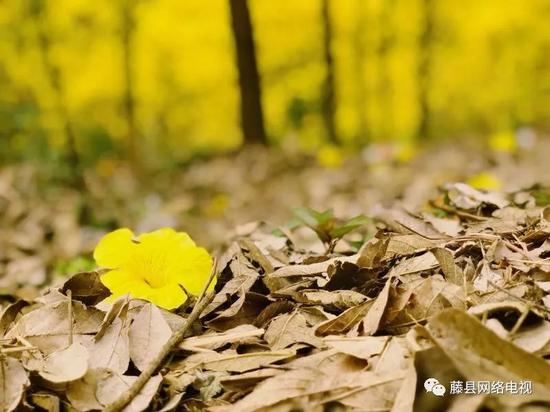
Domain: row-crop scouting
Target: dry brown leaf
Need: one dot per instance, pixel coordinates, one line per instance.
(466, 197)
(243, 279)
(420, 263)
(147, 335)
(66, 365)
(243, 311)
(345, 321)
(446, 260)
(403, 245)
(243, 381)
(364, 347)
(234, 362)
(112, 349)
(86, 287)
(13, 381)
(339, 299)
(82, 393)
(46, 401)
(471, 346)
(212, 341)
(372, 252)
(311, 269)
(373, 319)
(405, 223)
(290, 328)
(113, 386)
(48, 328)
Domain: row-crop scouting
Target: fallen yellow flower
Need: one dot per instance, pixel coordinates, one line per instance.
(154, 266)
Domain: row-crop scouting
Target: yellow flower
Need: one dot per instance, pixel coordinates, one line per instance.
(154, 266)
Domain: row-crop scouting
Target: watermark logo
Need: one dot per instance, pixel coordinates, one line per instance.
(432, 385)
(457, 387)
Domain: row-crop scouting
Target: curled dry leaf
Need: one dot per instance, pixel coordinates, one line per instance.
(345, 321)
(86, 287)
(13, 381)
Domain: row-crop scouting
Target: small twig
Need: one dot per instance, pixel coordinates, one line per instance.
(519, 322)
(18, 349)
(70, 315)
(203, 301)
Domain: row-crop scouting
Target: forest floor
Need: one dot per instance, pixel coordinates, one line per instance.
(416, 292)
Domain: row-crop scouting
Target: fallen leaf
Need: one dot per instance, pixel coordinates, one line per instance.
(372, 320)
(345, 321)
(213, 341)
(113, 386)
(82, 393)
(288, 329)
(86, 287)
(471, 346)
(112, 350)
(13, 381)
(363, 347)
(147, 335)
(234, 362)
(66, 365)
(339, 299)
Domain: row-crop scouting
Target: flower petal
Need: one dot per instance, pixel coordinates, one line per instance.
(167, 235)
(168, 297)
(194, 269)
(114, 248)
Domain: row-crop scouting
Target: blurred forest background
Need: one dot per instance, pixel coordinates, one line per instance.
(160, 82)
(203, 116)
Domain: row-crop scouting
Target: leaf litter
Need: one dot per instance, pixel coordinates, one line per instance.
(460, 291)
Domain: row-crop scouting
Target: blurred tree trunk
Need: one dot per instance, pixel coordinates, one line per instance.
(328, 102)
(384, 86)
(37, 12)
(424, 67)
(127, 35)
(359, 46)
(252, 118)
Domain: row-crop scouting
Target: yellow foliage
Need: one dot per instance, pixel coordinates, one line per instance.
(485, 181)
(330, 156)
(503, 142)
(154, 267)
(486, 72)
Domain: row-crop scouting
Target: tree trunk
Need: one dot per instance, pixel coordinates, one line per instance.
(384, 84)
(54, 78)
(360, 48)
(328, 102)
(127, 33)
(252, 118)
(424, 66)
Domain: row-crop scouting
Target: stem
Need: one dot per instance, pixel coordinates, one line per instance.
(203, 301)
(70, 316)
